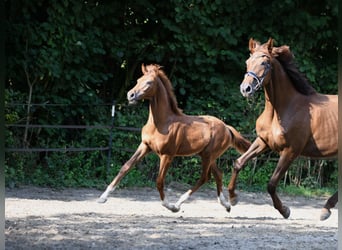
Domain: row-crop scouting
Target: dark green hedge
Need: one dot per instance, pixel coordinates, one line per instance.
(90, 52)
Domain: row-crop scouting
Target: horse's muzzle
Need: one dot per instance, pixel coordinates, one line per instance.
(132, 97)
(246, 89)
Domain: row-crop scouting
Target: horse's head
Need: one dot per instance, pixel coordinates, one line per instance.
(258, 67)
(146, 85)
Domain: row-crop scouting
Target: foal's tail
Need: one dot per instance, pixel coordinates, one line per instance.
(240, 143)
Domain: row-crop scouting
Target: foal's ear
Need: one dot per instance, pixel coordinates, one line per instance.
(143, 69)
(270, 45)
(252, 45)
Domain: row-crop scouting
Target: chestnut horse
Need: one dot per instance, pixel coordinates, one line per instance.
(296, 119)
(169, 133)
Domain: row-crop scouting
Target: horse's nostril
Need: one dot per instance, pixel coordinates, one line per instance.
(248, 89)
(131, 95)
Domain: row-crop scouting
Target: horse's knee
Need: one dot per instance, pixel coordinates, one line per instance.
(124, 169)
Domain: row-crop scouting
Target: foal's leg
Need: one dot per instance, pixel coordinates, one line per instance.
(325, 213)
(257, 147)
(218, 178)
(165, 162)
(142, 150)
(203, 179)
(286, 158)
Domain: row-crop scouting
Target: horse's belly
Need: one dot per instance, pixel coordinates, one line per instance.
(190, 145)
(324, 127)
(321, 148)
(180, 143)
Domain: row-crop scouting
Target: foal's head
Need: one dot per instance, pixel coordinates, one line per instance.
(146, 85)
(258, 67)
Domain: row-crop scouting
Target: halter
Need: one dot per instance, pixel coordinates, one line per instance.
(258, 79)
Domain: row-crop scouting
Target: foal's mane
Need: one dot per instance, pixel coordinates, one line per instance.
(298, 79)
(168, 87)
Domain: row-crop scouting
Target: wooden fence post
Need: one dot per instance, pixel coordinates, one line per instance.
(110, 139)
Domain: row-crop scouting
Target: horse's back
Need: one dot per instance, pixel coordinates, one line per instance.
(202, 134)
(186, 135)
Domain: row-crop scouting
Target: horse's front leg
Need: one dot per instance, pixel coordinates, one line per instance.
(257, 147)
(331, 202)
(284, 162)
(160, 183)
(165, 162)
(206, 167)
(142, 150)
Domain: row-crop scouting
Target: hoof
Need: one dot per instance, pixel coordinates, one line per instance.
(172, 208)
(228, 209)
(233, 200)
(101, 200)
(286, 212)
(325, 213)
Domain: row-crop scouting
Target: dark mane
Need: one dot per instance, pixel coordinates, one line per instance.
(169, 90)
(299, 80)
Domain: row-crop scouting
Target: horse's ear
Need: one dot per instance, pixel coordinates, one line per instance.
(270, 45)
(143, 69)
(252, 45)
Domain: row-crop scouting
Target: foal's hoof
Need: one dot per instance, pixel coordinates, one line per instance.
(101, 200)
(174, 209)
(228, 209)
(171, 207)
(325, 213)
(286, 212)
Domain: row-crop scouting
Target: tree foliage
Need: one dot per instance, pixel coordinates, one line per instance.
(90, 52)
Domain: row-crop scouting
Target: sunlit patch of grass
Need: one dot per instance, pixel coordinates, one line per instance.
(307, 192)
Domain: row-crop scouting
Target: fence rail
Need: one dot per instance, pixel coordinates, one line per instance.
(80, 149)
(108, 149)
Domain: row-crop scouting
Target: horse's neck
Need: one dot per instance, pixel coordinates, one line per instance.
(279, 92)
(160, 108)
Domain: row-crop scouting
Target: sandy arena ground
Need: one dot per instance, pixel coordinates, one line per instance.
(43, 218)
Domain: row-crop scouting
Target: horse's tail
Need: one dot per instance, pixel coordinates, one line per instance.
(240, 143)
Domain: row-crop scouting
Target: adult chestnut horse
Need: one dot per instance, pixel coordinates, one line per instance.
(296, 120)
(169, 133)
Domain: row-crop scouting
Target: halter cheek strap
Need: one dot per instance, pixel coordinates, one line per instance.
(258, 79)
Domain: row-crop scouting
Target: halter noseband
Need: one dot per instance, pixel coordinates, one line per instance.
(258, 79)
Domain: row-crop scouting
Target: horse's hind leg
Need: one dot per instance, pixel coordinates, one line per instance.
(331, 202)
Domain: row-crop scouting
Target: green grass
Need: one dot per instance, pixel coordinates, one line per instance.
(307, 192)
(293, 190)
